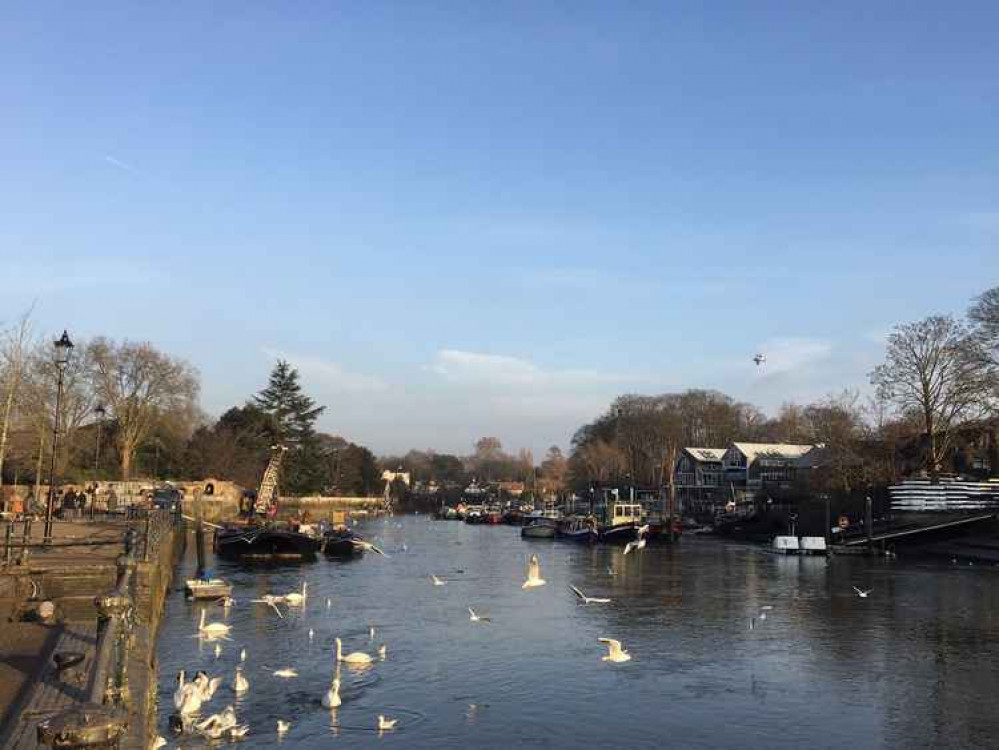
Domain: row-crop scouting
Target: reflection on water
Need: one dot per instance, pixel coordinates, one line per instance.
(910, 666)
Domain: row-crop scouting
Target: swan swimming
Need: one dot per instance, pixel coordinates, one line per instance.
(240, 684)
(187, 698)
(614, 651)
(588, 599)
(355, 657)
(331, 699)
(534, 578)
(218, 724)
(212, 628)
(296, 598)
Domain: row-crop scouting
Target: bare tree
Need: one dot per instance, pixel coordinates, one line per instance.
(139, 384)
(984, 316)
(936, 368)
(14, 346)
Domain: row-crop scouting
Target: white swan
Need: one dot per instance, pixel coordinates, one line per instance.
(178, 694)
(210, 686)
(355, 657)
(213, 629)
(534, 578)
(217, 725)
(240, 684)
(588, 599)
(385, 724)
(295, 598)
(187, 698)
(614, 651)
(331, 699)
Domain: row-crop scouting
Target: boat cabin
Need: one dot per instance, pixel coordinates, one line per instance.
(626, 513)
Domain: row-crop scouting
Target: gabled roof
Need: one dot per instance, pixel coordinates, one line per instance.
(705, 454)
(753, 451)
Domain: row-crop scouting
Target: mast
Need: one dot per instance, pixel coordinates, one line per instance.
(267, 495)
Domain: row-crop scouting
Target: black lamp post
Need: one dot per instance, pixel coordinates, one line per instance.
(100, 411)
(63, 348)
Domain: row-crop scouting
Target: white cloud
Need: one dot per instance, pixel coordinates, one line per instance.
(475, 368)
(328, 376)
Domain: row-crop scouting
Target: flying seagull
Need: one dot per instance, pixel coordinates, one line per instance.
(861, 593)
(588, 599)
(614, 651)
(476, 618)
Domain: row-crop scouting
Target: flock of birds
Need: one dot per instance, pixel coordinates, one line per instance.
(190, 697)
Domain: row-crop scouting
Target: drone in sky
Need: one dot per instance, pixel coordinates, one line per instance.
(759, 359)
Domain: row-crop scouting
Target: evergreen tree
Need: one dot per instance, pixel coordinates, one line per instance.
(295, 413)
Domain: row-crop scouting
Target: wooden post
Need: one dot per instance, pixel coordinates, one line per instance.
(828, 519)
(869, 523)
(199, 537)
(8, 535)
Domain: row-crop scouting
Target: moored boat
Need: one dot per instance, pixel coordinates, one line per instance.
(264, 542)
(539, 527)
(623, 523)
(210, 588)
(581, 529)
(341, 543)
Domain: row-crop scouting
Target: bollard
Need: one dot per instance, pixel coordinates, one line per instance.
(87, 726)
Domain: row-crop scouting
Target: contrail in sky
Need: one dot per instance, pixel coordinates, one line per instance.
(119, 164)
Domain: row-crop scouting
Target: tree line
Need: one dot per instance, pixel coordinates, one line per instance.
(127, 410)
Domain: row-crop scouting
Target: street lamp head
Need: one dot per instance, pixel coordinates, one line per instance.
(63, 347)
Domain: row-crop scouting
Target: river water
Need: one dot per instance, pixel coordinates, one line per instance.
(912, 665)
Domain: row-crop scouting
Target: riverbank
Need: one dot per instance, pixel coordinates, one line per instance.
(83, 564)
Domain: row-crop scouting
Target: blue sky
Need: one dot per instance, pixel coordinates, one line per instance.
(461, 219)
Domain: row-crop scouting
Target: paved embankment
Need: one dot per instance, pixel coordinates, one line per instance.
(71, 577)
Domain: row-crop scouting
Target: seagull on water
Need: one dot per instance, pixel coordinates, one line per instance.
(588, 599)
(371, 633)
(242, 655)
(285, 673)
(614, 651)
(283, 726)
(312, 634)
(476, 618)
(218, 650)
(861, 593)
(385, 723)
(329, 602)
(534, 578)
